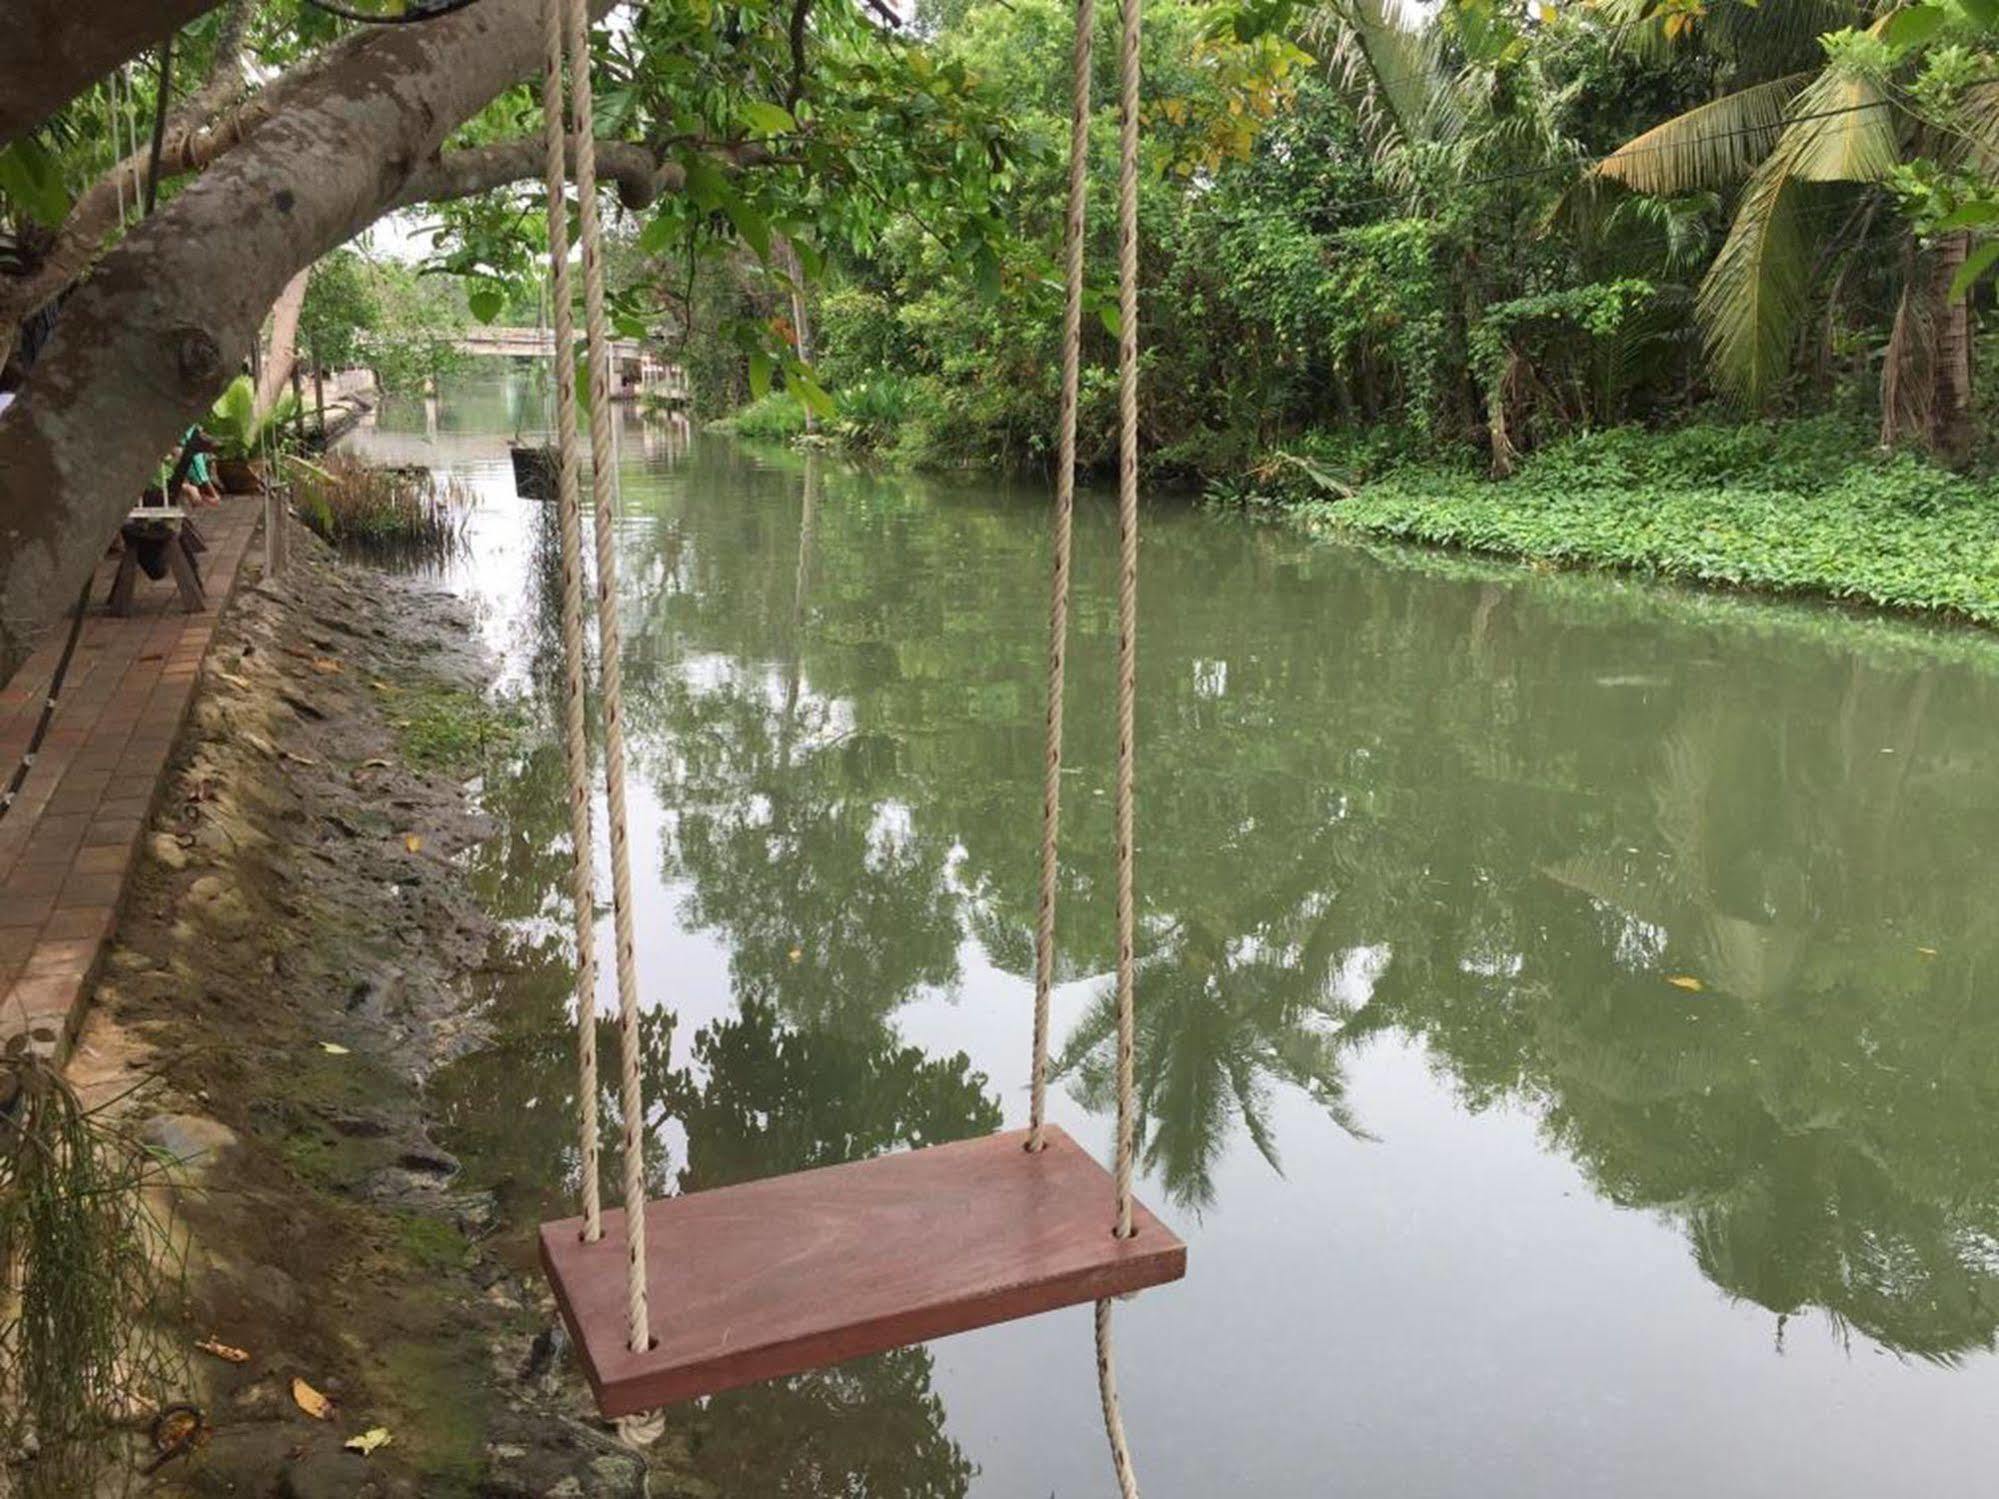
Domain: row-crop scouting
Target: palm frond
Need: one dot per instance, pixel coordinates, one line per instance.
(1707, 147)
(1392, 64)
(1763, 38)
(1845, 131)
(1840, 129)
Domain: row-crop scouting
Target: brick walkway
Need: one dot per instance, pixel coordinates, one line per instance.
(77, 827)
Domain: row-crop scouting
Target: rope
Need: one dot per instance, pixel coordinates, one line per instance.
(1127, 664)
(610, 651)
(111, 119)
(1058, 600)
(1127, 701)
(575, 741)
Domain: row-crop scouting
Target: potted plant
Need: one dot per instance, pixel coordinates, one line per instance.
(240, 434)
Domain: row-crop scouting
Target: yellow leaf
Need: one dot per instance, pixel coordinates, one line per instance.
(1928, 952)
(413, 843)
(311, 1401)
(223, 1351)
(796, 953)
(1687, 982)
(333, 1048)
(369, 1440)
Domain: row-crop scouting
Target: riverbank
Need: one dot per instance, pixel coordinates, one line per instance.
(1808, 507)
(292, 964)
(1802, 508)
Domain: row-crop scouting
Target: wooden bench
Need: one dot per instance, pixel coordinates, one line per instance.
(161, 534)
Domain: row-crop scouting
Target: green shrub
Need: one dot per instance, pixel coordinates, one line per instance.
(1801, 507)
(774, 417)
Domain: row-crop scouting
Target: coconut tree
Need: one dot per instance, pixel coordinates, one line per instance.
(1798, 143)
(1475, 123)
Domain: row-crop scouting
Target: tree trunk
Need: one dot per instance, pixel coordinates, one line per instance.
(281, 361)
(801, 320)
(1926, 367)
(57, 48)
(172, 311)
(1951, 430)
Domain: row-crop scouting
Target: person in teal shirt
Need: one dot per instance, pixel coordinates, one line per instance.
(200, 470)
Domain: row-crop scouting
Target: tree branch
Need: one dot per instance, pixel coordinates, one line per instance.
(57, 48)
(194, 139)
(641, 177)
(171, 311)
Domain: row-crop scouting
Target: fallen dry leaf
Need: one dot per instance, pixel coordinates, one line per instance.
(1928, 952)
(223, 1351)
(375, 764)
(311, 1401)
(333, 1049)
(1687, 982)
(326, 666)
(298, 759)
(369, 1440)
(413, 843)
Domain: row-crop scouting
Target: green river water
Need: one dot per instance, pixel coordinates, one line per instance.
(1569, 1033)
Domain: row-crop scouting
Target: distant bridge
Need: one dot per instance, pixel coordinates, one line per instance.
(529, 343)
(634, 370)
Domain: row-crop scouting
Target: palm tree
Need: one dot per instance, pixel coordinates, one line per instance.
(1469, 127)
(1849, 120)
(1218, 1023)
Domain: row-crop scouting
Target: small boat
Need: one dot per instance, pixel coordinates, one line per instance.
(536, 470)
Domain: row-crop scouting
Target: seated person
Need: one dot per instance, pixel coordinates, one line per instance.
(200, 471)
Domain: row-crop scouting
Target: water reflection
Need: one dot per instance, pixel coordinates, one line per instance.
(1707, 889)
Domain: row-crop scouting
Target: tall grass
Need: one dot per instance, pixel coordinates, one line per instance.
(405, 515)
(87, 1272)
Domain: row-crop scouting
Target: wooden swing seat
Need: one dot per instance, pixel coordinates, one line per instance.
(797, 1272)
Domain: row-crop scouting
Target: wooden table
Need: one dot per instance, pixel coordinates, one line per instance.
(164, 532)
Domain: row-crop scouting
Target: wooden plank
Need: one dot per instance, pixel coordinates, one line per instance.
(797, 1272)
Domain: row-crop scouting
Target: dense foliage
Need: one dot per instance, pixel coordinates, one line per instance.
(1487, 226)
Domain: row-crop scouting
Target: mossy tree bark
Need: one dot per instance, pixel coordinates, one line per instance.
(168, 316)
(57, 48)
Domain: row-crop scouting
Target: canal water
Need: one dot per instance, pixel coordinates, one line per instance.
(1570, 1006)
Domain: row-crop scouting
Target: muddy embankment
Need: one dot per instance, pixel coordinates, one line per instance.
(292, 963)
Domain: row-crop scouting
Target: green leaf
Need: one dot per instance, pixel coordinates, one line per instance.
(659, 234)
(760, 368)
(31, 176)
(811, 394)
(1973, 215)
(750, 224)
(986, 271)
(1983, 13)
(1913, 25)
(1975, 265)
(486, 302)
(705, 183)
(768, 119)
(1110, 317)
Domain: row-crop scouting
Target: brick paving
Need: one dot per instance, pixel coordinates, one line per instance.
(76, 829)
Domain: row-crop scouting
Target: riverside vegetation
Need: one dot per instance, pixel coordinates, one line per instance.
(1683, 287)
